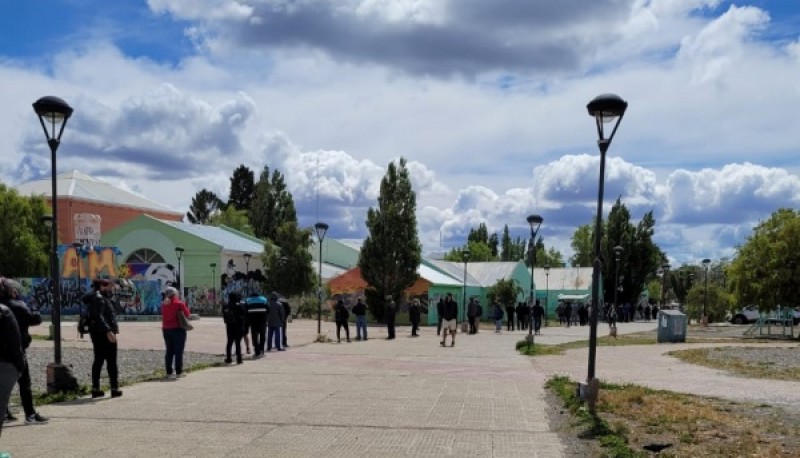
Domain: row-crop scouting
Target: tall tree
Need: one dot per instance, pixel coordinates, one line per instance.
(478, 252)
(582, 246)
(481, 234)
(288, 262)
(272, 205)
(242, 188)
(24, 240)
(507, 251)
(205, 204)
(392, 252)
(233, 218)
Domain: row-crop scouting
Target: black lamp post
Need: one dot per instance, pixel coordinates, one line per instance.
(617, 254)
(321, 228)
(53, 114)
(179, 254)
(465, 255)
(605, 109)
(547, 296)
(247, 257)
(213, 266)
(704, 318)
(535, 221)
(79, 252)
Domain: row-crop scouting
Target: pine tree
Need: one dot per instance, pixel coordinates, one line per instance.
(507, 253)
(392, 251)
(204, 205)
(272, 205)
(242, 188)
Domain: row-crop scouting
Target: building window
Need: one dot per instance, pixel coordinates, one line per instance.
(145, 256)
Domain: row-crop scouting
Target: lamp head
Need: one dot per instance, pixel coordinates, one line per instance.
(547, 269)
(52, 112)
(607, 107)
(618, 251)
(179, 251)
(213, 265)
(466, 255)
(321, 228)
(247, 257)
(535, 221)
(706, 262)
(47, 220)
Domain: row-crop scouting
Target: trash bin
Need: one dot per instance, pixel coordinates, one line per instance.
(671, 326)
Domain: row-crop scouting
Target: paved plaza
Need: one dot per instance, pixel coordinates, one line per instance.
(404, 397)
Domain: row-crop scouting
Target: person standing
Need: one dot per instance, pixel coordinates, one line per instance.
(521, 309)
(449, 320)
(497, 316)
(472, 313)
(103, 330)
(25, 317)
(391, 314)
(439, 312)
(341, 316)
(538, 313)
(174, 334)
(234, 315)
(414, 315)
(510, 312)
(275, 319)
(256, 306)
(287, 310)
(360, 311)
(12, 358)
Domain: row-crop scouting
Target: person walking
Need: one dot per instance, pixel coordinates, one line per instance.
(287, 311)
(103, 330)
(234, 315)
(439, 312)
(538, 313)
(10, 296)
(449, 320)
(497, 316)
(256, 306)
(391, 314)
(510, 312)
(360, 311)
(341, 315)
(12, 358)
(275, 319)
(521, 312)
(472, 313)
(414, 315)
(174, 334)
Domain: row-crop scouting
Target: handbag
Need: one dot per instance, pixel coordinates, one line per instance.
(184, 321)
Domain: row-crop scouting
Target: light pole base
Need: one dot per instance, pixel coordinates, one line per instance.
(60, 379)
(592, 393)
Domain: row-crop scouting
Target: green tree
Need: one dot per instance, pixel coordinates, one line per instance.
(505, 291)
(719, 302)
(242, 188)
(205, 204)
(288, 261)
(392, 252)
(506, 246)
(478, 252)
(481, 234)
(582, 247)
(272, 205)
(764, 271)
(233, 218)
(24, 240)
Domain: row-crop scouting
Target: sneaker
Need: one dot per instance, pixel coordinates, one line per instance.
(98, 394)
(441, 343)
(171, 377)
(228, 360)
(239, 361)
(36, 419)
(116, 393)
(453, 343)
(182, 375)
(10, 417)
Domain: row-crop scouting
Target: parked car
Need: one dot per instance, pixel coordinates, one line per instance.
(748, 314)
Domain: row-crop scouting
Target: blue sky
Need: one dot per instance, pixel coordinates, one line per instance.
(485, 99)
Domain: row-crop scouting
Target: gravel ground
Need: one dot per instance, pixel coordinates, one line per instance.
(773, 357)
(134, 365)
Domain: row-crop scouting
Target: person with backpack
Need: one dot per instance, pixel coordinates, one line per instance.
(103, 330)
(12, 358)
(341, 315)
(256, 306)
(234, 316)
(10, 291)
(174, 334)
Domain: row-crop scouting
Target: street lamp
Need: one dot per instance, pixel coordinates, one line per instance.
(704, 318)
(53, 114)
(605, 109)
(213, 266)
(247, 257)
(179, 253)
(664, 284)
(78, 251)
(321, 228)
(617, 253)
(547, 296)
(465, 255)
(535, 221)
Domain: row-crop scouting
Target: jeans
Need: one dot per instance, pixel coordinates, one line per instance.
(361, 324)
(104, 352)
(175, 340)
(498, 325)
(274, 335)
(8, 377)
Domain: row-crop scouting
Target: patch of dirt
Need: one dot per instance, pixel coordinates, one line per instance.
(564, 424)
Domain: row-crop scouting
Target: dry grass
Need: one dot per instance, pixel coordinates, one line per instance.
(710, 357)
(696, 426)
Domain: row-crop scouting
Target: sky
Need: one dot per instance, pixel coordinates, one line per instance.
(486, 101)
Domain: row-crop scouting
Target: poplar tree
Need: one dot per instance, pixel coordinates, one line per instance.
(272, 205)
(392, 251)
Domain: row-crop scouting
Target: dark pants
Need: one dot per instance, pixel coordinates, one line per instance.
(25, 393)
(274, 336)
(414, 328)
(339, 326)
(8, 377)
(537, 324)
(439, 326)
(472, 329)
(283, 335)
(258, 331)
(510, 324)
(104, 352)
(234, 333)
(175, 340)
(390, 328)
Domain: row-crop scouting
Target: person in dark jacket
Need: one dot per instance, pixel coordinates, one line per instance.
(256, 306)
(103, 330)
(414, 315)
(287, 311)
(538, 313)
(12, 358)
(391, 314)
(275, 319)
(341, 315)
(439, 312)
(235, 317)
(449, 320)
(10, 292)
(360, 311)
(510, 312)
(522, 316)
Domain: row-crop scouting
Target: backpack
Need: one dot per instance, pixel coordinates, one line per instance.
(84, 323)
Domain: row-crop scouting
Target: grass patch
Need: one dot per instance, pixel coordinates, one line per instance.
(632, 420)
(731, 359)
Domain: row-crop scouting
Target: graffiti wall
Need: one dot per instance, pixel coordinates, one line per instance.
(139, 297)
